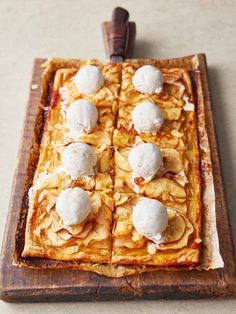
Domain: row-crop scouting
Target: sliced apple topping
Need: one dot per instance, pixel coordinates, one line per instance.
(105, 161)
(137, 238)
(121, 159)
(107, 199)
(96, 202)
(120, 198)
(172, 160)
(84, 233)
(123, 221)
(103, 181)
(64, 235)
(157, 187)
(176, 226)
(97, 138)
(172, 113)
(46, 223)
(182, 241)
(97, 234)
(52, 239)
(123, 227)
(182, 207)
(122, 138)
(123, 241)
(48, 198)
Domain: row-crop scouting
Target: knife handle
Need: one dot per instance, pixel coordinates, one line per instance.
(118, 32)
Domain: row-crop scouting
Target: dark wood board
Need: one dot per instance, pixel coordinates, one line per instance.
(20, 284)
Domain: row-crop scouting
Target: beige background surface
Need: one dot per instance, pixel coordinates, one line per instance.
(30, 29)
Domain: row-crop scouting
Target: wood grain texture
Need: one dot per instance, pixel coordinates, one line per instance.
(118, 32)
(130, 39)
(20, 284)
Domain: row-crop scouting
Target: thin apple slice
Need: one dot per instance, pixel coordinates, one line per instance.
(123, 227)
(183, 241)
(176, 226)
(121, 159)
(87, 228)
(123, 241)
(104, 162)
(172, 160)
(97, 138)
(157, 187)
(99, 233)
(96, 202)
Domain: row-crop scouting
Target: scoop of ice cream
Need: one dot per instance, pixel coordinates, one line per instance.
(89, 79)
(147, 117)
(81, 117)
(150, 219)
(73, 205)
(148, 79)
(79, 160)
(145, 160)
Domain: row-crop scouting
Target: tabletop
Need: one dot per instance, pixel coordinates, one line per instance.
(165, 29)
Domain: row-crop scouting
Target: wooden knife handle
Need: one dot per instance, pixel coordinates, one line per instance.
(118, 32)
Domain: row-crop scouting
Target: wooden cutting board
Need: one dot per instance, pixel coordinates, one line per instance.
(19, 284)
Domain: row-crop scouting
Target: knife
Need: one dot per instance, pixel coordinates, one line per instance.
(118, 35)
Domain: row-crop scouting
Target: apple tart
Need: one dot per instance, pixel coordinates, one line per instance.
(119, 159)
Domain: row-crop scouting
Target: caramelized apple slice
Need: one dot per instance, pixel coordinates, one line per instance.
(172, 160)
(46, 223)
(64, 235)
(123, 241)
(171, 113)
(183, 241)
(103, 181)
(87, 228)
(104, 162)
(52, 239)
(137, 238)
(120, 198)
(123, 227)
(176, 226)
(97, 234)
(107, 199)
(96, 202)
(182, 207)
(121, 159)
(157, 187)
(123, 219)
(97, 138)
(122, 138)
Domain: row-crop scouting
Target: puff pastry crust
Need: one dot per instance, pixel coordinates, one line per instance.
(107, 242)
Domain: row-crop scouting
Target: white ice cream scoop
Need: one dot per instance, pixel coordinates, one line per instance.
(79, 160)
(88, 79)
(73, 205)
(82, 118)
(147, 117)
(150, 219)
(148, 80)
(145, 160)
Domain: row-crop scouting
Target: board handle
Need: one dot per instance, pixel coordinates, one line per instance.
(118, 32)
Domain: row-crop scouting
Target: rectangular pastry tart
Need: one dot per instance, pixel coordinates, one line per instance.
(117, 179)
(176, 184)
